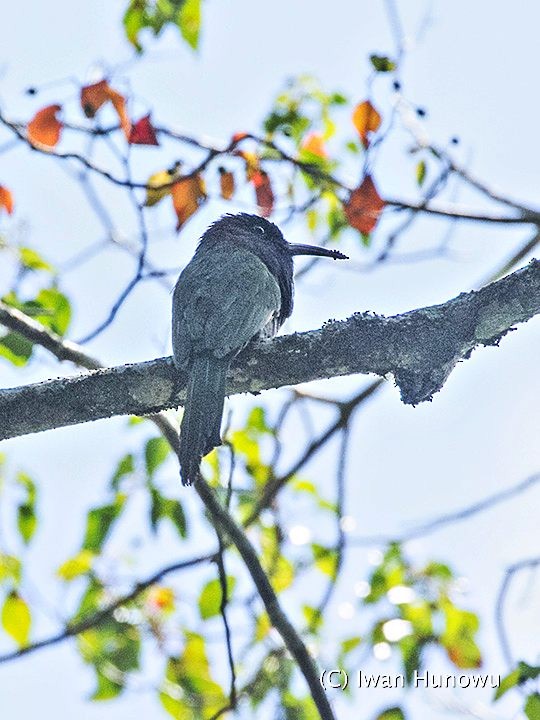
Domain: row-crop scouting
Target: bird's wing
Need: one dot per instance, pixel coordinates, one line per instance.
(220, 303)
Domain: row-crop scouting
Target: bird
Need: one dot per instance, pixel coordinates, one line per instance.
(237, 288)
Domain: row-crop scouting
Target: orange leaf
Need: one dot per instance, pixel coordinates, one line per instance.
(364, 206)
(119, 103)
(314, 144)
(226, 183)
(252, 163)
(6, 200)
(143, 132)
(237, 137)
(187, 195)
(263, 192)
(95, 95)
(366, 120)
(160, 599)
(44, 128)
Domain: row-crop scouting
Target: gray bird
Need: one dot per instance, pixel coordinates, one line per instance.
(238, 287)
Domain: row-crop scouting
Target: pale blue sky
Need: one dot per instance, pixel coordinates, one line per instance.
(476, 72)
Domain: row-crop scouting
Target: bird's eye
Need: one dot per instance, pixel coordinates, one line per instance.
(259, 227)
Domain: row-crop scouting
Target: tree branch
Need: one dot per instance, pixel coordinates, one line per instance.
(278, 618)
(419, 348)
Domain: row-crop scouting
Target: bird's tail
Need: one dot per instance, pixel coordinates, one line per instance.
(201, 423)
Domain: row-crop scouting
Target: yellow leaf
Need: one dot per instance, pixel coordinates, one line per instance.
(75, 566)
(262, 627)
(16, 618)
(159, 185)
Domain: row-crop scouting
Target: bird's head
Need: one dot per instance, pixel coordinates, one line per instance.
(261, 236)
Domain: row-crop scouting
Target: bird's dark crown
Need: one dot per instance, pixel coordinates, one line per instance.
(243, 226)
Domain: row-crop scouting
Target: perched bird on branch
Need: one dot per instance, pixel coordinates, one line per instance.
(238, 287)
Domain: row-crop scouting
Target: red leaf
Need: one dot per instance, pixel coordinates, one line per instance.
(263, 192)
(364, 206)
(143, 132)
(44, 128)
(6, 200)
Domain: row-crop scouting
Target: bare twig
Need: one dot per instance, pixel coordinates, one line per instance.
(443, 521)
(98, 617)
(510, 573)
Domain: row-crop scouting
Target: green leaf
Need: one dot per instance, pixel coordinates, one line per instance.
(366, 239)
(55, 310)
(419, 614)
(282, 574)
(162, 507)
(439, 570)
(156, 452)
(32, 260)
(113, 648)
(176, 707)
(518, 676)
(382, 63)
(459, 636)
(388, 574)
(106, 689)
(210, 597)
(15, 348)
(98, 524)
(91, 600)
(191, 673)
(26, 521)
(313, 617)
(126, 466)
(350, 644)
(532, 707)
(175, 513)
(26, 514)
(298, 708)
(325, 559)
(16, 618)
(257, 421)
(421, 172)
(10, 569)
(189, 22)
(76, 566)
(411, 652)
(391, 713)
(134, 22)
(304, 486)
(508, 682)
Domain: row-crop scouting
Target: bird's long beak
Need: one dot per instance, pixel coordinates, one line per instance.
(314, 250)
